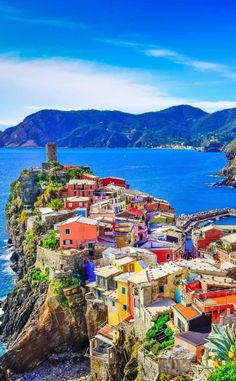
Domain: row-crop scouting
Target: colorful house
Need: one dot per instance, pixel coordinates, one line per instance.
(193, 341)
(77, 232)
(159, 206)
(82, 188)
(118, 302)
(75, 202)
(215, 302)
(115, 180)
(203, 237)
(164, 251)
(124, 233)
(152, 285)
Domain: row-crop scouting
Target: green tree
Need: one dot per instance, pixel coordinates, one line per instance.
(56, 204)
(50, 241)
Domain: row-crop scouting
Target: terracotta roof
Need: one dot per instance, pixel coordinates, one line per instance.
(188, 313)
(106, 331)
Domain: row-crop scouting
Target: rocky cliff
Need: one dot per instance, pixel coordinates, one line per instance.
(52, 329)
(229, 171)
(35, 323)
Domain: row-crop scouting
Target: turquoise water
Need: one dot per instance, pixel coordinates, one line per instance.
(183, 177)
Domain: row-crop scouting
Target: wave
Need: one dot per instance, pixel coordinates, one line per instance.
(8, 270)
(6, 256)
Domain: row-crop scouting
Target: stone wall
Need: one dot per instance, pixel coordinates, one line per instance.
(98, 369)
(149, 368)
(60, 261)
(175, 361)
(56, 217)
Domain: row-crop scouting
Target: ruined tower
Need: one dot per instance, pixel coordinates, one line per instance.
(51, 152)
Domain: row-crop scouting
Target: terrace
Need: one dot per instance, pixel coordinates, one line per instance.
(214, 300)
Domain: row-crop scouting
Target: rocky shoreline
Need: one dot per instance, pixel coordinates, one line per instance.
(68, 366)
(228, 173)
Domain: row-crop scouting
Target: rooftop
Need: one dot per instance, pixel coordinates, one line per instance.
(231, 238)
(77, 199)
(80, 219)
(150, 274)
(188, 313)
(123, 261)
(106, 271)
(194, 338)
(106, 331)
(81, 182)
(123, 277)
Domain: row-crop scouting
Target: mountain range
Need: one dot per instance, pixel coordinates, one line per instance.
(182, 124)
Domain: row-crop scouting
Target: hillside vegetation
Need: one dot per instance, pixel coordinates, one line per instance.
(92, 128)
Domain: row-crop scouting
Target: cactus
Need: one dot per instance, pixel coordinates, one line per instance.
(222, 343)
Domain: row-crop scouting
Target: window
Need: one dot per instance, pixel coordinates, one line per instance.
(161, 288)
(124, 307)
(168, 256)
(123, 290)
(67, 231)
(67, 242)
(113, 303)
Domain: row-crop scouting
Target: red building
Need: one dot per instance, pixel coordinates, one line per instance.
(82, 188)
(114, 180)
(216, 302)
(75, 202)
(159, 206)
(163, 252)
(206, 235)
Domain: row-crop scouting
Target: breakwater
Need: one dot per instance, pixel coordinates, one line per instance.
(186, 222)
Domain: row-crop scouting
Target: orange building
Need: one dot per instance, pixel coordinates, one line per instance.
(78, 231)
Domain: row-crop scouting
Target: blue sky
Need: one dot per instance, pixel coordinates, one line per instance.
(131, 55)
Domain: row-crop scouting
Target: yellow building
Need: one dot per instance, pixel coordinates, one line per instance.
(127, 265)
(118, 301)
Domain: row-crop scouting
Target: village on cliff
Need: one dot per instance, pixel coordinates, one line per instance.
(169, 279)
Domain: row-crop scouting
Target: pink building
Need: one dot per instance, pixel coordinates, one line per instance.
(75, 202)
(78, 231)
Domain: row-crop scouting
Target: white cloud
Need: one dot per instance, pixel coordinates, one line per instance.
(31, 85)
(191, 62)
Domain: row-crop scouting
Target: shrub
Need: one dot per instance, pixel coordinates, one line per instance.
(56, 204)
(50, 241)
(159, 337)
(226, 372)
(23, 216)
(75, 173)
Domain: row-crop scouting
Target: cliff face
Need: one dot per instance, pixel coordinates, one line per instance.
(229, 171)
(35, 324)
(52, 330)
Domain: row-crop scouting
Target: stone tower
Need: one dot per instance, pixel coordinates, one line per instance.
(51, 151)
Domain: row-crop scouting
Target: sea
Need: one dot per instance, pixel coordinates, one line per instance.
(183, 177)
